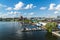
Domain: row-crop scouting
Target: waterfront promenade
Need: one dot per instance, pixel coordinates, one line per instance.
(56, 33)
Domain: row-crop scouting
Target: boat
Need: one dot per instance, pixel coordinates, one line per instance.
(29, 30)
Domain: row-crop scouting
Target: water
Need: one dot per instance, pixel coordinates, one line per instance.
(10, 31)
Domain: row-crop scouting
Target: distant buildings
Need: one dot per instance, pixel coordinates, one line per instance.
(56, 19)
(37, 18)
(33, 19)
(9, 19)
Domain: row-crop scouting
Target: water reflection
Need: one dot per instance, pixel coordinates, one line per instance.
(11, 31)
(37, 35)
(49, 36)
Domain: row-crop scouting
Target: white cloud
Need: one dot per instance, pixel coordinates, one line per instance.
(56, 12)
(10, 14)
(31, 13)
(13, 13)
(3, 15)
(29, 6)
(19, 6)
(58, 7)
(55, 7)
(42, 8)
(52, 6)
(16, 12)
(9, 8)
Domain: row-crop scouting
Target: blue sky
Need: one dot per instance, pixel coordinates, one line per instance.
(29, 8)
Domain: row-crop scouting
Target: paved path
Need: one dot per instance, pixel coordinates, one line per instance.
(56, 33)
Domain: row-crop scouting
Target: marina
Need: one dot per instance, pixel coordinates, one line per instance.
(33, 29)
(29, 19)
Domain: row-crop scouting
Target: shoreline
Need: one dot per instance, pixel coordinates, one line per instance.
(56, 33)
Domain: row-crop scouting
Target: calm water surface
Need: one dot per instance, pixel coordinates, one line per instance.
(10, 31)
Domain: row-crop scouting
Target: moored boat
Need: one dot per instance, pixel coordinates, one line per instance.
(28, 29)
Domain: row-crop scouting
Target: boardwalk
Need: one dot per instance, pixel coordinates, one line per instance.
(57, 33)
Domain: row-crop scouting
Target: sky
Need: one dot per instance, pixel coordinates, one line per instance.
(29, 8)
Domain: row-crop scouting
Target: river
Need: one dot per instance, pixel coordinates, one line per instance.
(9, 31)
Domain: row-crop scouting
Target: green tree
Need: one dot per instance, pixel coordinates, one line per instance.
(50, 25)
(54, 25)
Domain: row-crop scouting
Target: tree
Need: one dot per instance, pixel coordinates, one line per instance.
(50, 26)
(54, 25)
